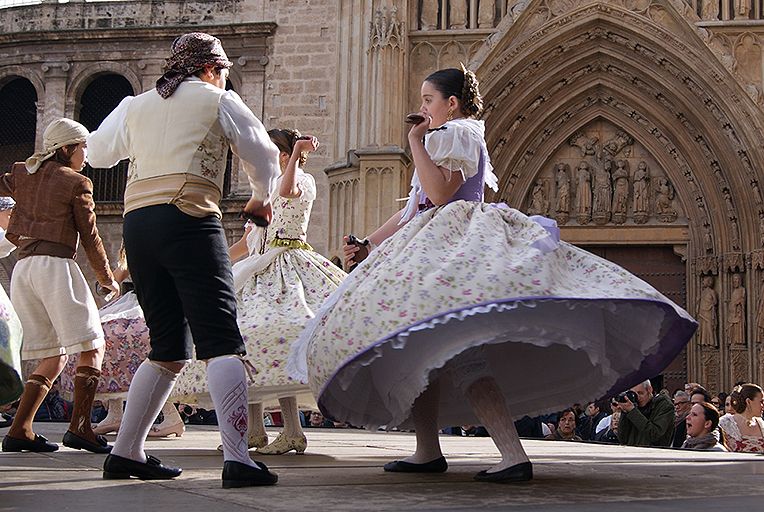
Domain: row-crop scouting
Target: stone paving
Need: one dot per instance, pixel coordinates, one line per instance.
(342, 471)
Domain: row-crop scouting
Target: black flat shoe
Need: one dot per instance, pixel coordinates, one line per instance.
(72, 440)
(522, 472)
(236, 474)
(438, 465)
(117, 468)
(40, 444)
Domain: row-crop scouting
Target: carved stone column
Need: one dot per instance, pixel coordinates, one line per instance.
(386, 93)
(55, 75)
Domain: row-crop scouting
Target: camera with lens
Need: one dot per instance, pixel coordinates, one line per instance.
(627, 396)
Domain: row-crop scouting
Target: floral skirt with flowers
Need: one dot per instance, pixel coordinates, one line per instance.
(483, 285)
(127, 344)
(273, 306)
(11, 384)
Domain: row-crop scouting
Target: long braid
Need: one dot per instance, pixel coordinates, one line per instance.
(472, 102)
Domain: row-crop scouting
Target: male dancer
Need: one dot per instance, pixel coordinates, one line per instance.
(176, 137)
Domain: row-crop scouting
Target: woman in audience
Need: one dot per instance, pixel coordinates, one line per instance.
(745, 428)
(702, 429)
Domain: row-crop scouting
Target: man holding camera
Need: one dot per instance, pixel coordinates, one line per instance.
(646, 419)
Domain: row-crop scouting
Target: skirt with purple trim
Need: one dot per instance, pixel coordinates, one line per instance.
(552, 323)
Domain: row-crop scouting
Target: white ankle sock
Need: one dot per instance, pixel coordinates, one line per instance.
(226, 379)
(148, 392)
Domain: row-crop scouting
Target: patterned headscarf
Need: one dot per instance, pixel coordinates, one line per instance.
(6, 203)
(190, 53)
(61, 132)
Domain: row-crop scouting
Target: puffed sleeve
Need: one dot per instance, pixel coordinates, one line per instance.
(456, 148)
(307, 185)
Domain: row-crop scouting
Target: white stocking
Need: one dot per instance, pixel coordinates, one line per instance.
(149, 390)
(256, 428)
(425, 417)
(291, 417)
(491, 408)
(227, 382)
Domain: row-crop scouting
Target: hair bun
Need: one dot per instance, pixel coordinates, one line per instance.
(472, 102)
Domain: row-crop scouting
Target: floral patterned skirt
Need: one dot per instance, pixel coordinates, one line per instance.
(552, 323)
(272, 307)
(127, 345)
(11, 384)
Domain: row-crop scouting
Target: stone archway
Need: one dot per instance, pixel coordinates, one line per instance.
(615, 84)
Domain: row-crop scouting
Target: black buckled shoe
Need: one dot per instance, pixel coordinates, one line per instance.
(117, 468)
(438, 465)
(522, 472)
(72, 440)
(40, 444)
(236, 474)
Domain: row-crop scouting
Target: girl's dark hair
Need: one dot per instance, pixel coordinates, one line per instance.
(285, 140)
(64, 155)
(742, 393)
(461, 84)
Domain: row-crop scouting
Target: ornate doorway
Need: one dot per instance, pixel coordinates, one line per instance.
(662, 268)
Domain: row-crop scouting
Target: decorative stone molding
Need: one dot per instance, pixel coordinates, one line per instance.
(386, 30)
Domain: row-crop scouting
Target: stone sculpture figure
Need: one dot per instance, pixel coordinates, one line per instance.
(707, 313)
(664, 195)
(486, 13)
(428, 16)
(457, 17)
(710, 10)
(736, 312)
(562, 180)
(641, 205)
(760, 315)
(742, 9)
(620, 191)
(539, 202)
(583, 193)
(603, 193)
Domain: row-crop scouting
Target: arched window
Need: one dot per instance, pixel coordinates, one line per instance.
(18, 110)
(98, 99)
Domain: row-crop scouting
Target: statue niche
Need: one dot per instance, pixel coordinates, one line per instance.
(641, 203)
(457, 18)
(428, 16)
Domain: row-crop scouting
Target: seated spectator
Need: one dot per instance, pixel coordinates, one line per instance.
(607, 430)
(317, 420)
(594, 413)
(566, 427)
(744, 430)
(699, 395)
(702, 429)
(728, 409)
(682, 407)
(647, 419)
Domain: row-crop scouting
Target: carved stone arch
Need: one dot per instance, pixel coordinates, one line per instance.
(542, 119)
(681, 64)
(84, 76)
(10, 72)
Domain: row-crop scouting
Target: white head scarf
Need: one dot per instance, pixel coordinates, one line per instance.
(61, 132)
